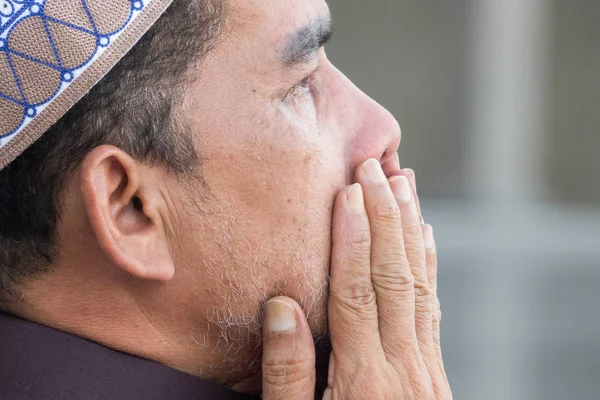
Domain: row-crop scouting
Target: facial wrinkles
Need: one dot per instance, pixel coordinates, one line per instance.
(239, 290)
(301, 110)
(240, 274)
(300, 115)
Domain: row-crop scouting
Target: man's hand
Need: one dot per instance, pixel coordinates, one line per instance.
(383, 310)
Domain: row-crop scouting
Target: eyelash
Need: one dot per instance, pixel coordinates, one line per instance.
(300, 89)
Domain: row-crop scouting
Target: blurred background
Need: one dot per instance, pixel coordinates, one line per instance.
(499, 101)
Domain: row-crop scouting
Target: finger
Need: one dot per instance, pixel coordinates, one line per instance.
(415, 252)
(413, 183)
(288, 364)
(414, 245)
(390, 271)
(352, 303)
(410, 175)
(432, 269)
(392, 166)
(432, 278)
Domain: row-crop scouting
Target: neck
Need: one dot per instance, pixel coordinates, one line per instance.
(136, 318)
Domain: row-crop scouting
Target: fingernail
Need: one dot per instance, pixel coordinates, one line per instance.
(280, 316)
(401, 188)
(411, 172)
(355, 197)
(397, 160)
(373, 172)
(428, 237)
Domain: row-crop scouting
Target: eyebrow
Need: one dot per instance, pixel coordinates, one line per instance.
(301, 47)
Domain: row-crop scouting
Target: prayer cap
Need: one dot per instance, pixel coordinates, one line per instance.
(52, 52)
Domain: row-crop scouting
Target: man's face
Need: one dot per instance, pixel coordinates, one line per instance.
(281, 131)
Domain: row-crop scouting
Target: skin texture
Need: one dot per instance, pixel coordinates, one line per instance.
(383, 309)
(179, 270)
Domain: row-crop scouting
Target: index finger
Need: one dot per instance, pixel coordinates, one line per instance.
(391, 273)
(352, 305)
(410, 175)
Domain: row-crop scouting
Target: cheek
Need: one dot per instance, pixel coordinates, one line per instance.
(281, 184)
(300, 113)
(274, 169)
(286, 186)
(278, 158)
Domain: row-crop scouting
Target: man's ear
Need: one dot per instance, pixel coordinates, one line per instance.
(124, 214)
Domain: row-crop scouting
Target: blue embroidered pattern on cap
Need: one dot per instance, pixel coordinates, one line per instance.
(47, 44)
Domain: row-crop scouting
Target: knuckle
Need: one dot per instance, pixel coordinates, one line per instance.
(358, 244)
(387, 213)
(413, 231)
(280, 375)
(358, 297)
(360, 301)
(354, 249)
(432, 284)
(436, 314)
(393, 277)
(423, 291)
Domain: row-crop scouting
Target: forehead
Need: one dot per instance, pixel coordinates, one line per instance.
(271, 20)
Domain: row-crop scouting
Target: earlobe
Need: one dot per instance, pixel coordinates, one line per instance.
(122, 214)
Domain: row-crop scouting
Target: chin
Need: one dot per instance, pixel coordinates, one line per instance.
(318, 322)
(314, 302)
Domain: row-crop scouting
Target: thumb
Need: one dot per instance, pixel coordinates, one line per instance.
(288, 365)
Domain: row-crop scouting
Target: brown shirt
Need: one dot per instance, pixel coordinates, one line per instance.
(41, 363)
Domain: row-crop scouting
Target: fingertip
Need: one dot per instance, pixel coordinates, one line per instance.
(392, 165)
(280, 315)
(431, 253)
(428, 238)
(355, 198)
(401, 189)
(288, 360)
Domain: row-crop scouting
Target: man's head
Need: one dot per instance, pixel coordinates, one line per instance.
(194, 182)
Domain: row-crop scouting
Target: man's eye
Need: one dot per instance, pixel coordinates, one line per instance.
(300, 89)
(303, 84)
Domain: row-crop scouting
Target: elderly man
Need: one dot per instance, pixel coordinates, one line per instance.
(170, 170)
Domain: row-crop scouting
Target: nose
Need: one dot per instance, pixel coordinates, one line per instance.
(378, 133)
(372, 131)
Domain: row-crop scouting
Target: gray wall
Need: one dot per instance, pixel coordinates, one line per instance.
(410, 56)
(500, 107)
